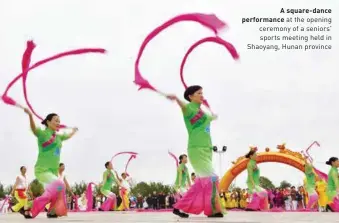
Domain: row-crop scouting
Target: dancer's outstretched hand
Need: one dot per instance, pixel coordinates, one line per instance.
(214, 116)
(171, 97)
(27, 111)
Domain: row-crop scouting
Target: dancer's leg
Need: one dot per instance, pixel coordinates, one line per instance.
(203, 196)
(22, 201)
(312, 199)
(54, 188)
(110, 202)
(124, 200)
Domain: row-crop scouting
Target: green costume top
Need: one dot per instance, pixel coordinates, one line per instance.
(108, 180)
(50, 145)
(332, 183)
(198, 126)
(183, 176)
(310, 178)
(253, 172)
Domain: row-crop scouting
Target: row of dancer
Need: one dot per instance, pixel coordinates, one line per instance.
(47, 172)
(22, 192)
(202, 196)
(199, 153)
(259, 196)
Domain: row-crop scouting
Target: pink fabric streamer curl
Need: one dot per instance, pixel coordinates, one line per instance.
(175, 158)
(25, 66)
(321, 175)
(209, 21)
(4, 202)
(214, 39)
(133, 156)
(89, 196)
(314, 143)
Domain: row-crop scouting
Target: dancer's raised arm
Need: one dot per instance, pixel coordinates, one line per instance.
(31, 121)
(178, 101)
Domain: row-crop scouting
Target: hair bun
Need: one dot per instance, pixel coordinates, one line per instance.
(328, 163)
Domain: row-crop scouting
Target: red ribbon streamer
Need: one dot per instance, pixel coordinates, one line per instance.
(25, 66)
(209, 21)
(231, 49)
(174, 157)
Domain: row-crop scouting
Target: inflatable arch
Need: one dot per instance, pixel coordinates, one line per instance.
(283, 155)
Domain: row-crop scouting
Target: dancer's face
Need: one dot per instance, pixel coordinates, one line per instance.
(23, 170)
(54, 123)
(254, 156)
(62, 168)
(110, 166)
(197, 97)
(184, 159)
(336, 163)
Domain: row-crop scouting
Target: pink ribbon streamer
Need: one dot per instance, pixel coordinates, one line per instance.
(314, 143)
(320, 174)
(5, 200)
(89, 196)
(25, 66)
(133, 156)
(175, 158)
(209, 21)
(76, 205)
(214, 39)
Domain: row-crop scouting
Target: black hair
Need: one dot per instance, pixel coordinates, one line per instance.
(123, 174)
(61, 164)
(190, 91)
(331, 160)
(107, 164)
(181, 157)
(22, 167)
(49, 117)
(192, 174)
(250, 153)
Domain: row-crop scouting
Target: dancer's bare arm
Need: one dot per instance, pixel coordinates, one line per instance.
(68, 187)
(31, 121)
(15, 185)
(178, 101)
(68, 136)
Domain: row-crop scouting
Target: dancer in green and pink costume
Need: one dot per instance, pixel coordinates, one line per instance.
(183, 181)
(259, 195)
(203, 196)
(106, 186)
(333, 184)
(47, 166)
(310, 185)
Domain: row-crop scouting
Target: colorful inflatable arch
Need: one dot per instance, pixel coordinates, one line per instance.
(283, 155)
